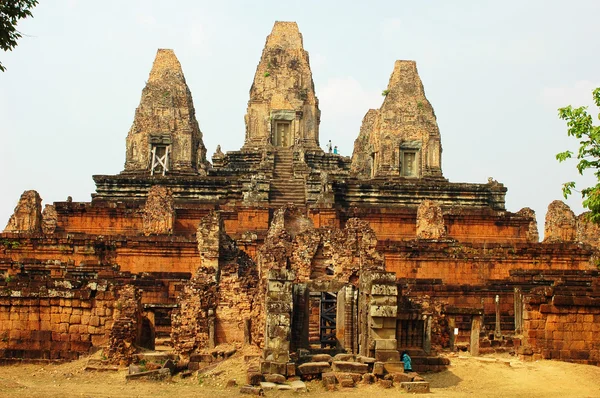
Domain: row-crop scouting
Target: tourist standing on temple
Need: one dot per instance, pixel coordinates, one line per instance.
(407, 362)
(335, 150)
(329, 146)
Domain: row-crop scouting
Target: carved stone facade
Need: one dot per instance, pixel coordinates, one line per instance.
(402, 137)
(165, 125)
(159, 211)
(561, 223)
(430, 221)
(283, 110)
(27, 216)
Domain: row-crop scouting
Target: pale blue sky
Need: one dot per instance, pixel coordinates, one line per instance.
(495, 72)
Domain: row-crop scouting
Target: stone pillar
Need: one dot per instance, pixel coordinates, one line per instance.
(452, 326)
(518, 304)
(347, 328)
(498, 330)
(475, 330)
(212, 338)
(208, 236)
(380, 294)
(278, 313)
(427, 337)
(300, 317)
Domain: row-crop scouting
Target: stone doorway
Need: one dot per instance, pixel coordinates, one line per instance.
(281, 134)
(322, 320)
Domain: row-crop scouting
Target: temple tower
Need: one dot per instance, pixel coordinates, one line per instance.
(402, 137)
(283, 110)
(165, 137)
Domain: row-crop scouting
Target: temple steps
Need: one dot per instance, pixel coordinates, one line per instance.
(285, 187)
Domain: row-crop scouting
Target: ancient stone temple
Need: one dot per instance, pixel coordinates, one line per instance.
(324, 262)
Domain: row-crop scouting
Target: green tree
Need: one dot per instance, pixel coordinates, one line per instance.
(580, 125)
(11, 11)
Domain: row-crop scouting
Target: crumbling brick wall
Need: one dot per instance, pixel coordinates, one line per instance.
(126, 331)
(53, 318)
(190, 322)
(563, 323)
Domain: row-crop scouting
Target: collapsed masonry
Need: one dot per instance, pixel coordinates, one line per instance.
(292, 249)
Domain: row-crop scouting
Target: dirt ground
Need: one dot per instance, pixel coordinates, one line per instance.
(490, 376)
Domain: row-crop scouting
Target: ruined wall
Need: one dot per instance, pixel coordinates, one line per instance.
(166, 116)
(27, 216)
(561, 223)
(126, 331)
(283, 92)
(402, 137)
(563, 323)
(53, 318)
(587, 231)
(475, 264)
(191, 322)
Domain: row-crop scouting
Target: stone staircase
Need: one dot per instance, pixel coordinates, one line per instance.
(285, 188)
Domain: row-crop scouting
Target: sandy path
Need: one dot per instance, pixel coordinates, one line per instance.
(500, 376)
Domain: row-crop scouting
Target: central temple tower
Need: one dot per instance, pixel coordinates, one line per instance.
(283, 110)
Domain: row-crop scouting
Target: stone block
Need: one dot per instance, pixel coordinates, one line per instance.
(387, 355)
(313, 368)
(328, 379)
(298, 386)
(367, 360)
(383, 383)
(384, 290)
(275, 378)
(290, 369)
(252, 390)
(378, 369)
(394, 367)
(386, 344)
(344, 357)
(388, 311)
(415, 387)
(401, 377)
(368, 378)
(321, 358)
(265, 385)
(352, 367)
(254, 378)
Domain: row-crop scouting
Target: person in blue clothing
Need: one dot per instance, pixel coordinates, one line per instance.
(335, 150)
(407, 362)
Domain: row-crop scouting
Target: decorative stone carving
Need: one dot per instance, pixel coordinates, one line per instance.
(283, 109)
(166, 117)
(159, 211)
(208, 236)
(561, 224)
(430, 221)
(402, 137)
(49, 219)
(27, 216)
(532, 232)
(587, 231)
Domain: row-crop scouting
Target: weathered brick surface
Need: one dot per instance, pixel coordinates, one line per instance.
(563, 322)
(53, 319)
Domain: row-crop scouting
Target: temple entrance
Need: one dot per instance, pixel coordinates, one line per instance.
(410, 333)
(322, 320)
(280, 134)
